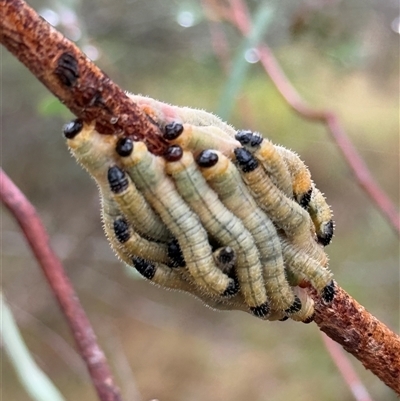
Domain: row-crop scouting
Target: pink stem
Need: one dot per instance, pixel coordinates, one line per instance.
(38, 240)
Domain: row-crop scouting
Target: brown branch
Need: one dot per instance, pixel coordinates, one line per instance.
(363, 335)
(36, 235)
(239, 16)
(346, 369)
(91, 95)
(62, 67)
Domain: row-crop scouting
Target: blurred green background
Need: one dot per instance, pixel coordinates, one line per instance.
(340, 55)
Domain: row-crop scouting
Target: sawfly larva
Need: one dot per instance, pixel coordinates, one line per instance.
(136, 209)
(301, 176)
(306, 314)
(94, 152)
(225, 180)
(321, 215)
(221, 224)
(194, 138)
(147, 173)
(287, 214)
(301, 265)
(265, 152)
(284, 212)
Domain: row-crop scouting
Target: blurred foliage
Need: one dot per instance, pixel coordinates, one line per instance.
(340, 55)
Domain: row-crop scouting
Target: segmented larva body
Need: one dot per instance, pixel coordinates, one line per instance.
(301, 176)
(142, 216)
(301, 265)
(321, 215)
(269, 157)
(285, 213)
(196, 139)
(223, 226)
(262, 216)
(306, 314)
(147, 172)
(225, 180)
(196, 125)
(96, 153)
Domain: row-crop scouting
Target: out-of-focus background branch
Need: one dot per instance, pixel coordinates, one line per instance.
(339, 57)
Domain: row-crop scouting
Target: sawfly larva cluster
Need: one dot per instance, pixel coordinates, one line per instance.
(226, 216)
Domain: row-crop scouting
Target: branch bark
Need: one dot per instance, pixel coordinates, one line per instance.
(91, 95)
(361, 334)
(62, 67)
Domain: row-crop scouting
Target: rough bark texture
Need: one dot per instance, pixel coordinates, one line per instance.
(91, 95)
(358, 332)
(86, 90)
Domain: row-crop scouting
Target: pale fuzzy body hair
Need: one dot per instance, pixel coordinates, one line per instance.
(202, 129)
(302, 266)
(226, 181)
(96, 154)
(222, 225)
(147, 172)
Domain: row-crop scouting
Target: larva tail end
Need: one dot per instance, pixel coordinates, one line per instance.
(326, 237)
(175, 253)
(304, 199)
(226, 255)
(309, 319)
(295, 307)
(144, 267)
(225, 259)
(231, 289)
(328, 293)
(261, 310)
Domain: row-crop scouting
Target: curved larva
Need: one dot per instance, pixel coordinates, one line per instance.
(321, 215)
(225, 180)
(135, 207)
(301, 176)
(147, 172)
(96, 153)
(287, 214)
(195, 138)
(284, 212)
(93, 151)
(306, 314)
(300, 264)
(272, 161)
(223, 226)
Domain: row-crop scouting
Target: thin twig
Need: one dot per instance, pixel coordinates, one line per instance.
(36, 235)
(363, 335)
(239, 16)
(347, 371)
